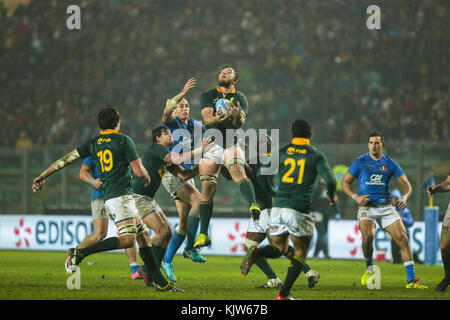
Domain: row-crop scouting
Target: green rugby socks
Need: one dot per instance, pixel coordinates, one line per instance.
(294, 270)
(206, 211)
(247, 190)
(107, 244)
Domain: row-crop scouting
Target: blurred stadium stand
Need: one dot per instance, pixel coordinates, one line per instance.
(311, 59)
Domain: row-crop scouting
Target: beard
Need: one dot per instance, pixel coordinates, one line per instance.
(224, 83)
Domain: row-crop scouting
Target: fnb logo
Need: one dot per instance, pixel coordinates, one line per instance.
(23, 233)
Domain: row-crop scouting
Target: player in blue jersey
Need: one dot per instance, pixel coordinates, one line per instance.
(176, 117)
(373, 171)
(89, 174)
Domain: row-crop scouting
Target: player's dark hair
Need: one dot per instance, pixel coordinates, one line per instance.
(108, 118)
(227, 65)
(157, 132)
(301, 129)
(377, 134)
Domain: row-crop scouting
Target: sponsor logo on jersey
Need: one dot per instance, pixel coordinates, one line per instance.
(291, 150)
(101, 140)
(375, 179)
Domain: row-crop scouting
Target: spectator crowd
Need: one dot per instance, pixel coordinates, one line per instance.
(311, 59)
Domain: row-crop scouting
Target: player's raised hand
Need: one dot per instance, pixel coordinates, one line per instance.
(222, 117)
(38, 184)
(191, 83)
(206, 143)
(362, 200)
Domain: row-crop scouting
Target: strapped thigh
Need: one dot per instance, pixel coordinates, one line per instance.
(127, 229)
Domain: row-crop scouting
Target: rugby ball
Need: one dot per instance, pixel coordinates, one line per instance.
(221, 106)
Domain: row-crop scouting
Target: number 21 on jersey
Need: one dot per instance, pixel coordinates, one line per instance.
(106, 160)
(287, 178)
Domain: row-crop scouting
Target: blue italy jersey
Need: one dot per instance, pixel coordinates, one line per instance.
(183, 136)
(373, 177)
(96, 194)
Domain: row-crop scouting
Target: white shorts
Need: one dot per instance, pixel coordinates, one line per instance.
(121, 208)
(98, 209)
(145, 205)
(287, 220)
(383, 216)
(217, 153)
(172, 183)
(261, 225)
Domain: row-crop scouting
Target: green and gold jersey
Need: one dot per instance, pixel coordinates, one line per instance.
(209, 98)
(153, 161)
(299, 165)
(264, 186)
(112, 153)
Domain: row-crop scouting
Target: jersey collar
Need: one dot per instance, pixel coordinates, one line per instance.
(223, 93)
(300, 141)
(109, 131)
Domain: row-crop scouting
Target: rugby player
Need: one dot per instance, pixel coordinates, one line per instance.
(113, 153)
(89, 174)
(157, 160)
(228, 152)
(291, 216)
(373, 171)
(256, 231)
(445, 234)
(176, 117)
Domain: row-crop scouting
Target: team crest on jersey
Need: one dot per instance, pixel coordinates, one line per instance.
(383, 168)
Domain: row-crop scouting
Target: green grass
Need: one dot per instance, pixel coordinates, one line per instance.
(41, 275)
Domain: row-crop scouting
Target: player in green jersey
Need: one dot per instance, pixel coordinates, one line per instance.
(113, 153)
(291, 217)
(158, 159)
(228, 151)
(264, 185)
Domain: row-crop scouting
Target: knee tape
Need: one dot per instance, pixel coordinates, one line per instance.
(445, 235)
(127, 229)
(140, 228)
(209, 177)
(237, 161)
(248, 243)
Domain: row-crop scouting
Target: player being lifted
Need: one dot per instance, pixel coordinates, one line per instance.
(227, 152)
(445, 234)
(113, 153)
(291, 216)
(264, 185)
(157, 160)
(176, 117)
(374, 171)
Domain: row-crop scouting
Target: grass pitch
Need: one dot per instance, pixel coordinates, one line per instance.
(40, 275)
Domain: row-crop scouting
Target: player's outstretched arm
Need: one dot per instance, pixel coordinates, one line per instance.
(407, 190)
(182, 173)
(139, 170)
(171, 104)
(179, 158)
(440, 188)
(86, 176)
(38, 182)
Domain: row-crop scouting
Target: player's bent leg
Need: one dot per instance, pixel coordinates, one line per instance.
(398, 233)
(100, 231)
(367, 228)
(251, 244)
(235, 161)
(301, 245)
